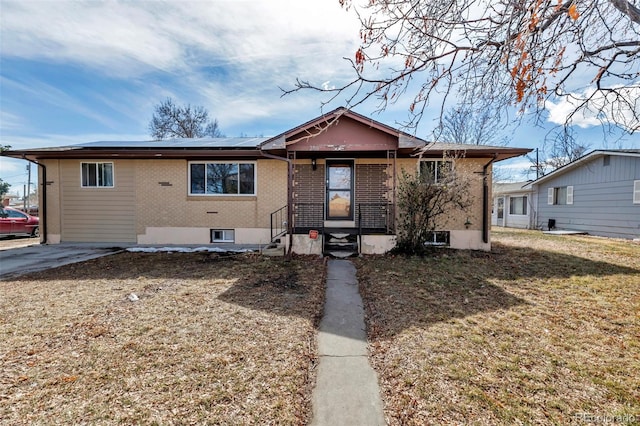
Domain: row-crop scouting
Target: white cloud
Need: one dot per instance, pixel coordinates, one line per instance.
(9, 121)
(132, 38)
(229, 56)
(55, 97)
(603, 107)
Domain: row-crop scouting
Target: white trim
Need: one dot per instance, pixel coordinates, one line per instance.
(583, 159)
(228, 236)
(551, 196)
(636, 192)
(569, 194)
(431, 160)
(205, 162)
(525, 205)
(113, 175)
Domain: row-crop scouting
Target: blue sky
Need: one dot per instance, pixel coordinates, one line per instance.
(73, 72)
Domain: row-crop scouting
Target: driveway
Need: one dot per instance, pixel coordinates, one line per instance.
(25, 256)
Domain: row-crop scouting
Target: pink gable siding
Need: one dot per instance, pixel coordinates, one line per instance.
(346, 135)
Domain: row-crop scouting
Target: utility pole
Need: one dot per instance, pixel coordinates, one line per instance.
(28, 193)
(537, 165)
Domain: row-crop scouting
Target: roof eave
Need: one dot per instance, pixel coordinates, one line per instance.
(576, 163)
(80, 153)
(499, 154)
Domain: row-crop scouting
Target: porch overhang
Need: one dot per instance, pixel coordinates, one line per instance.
(498, 153)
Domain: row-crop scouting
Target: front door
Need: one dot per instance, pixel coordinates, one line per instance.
(500, 211)
(339, 190)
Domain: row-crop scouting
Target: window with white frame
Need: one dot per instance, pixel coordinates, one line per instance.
(218, 178)
(222, 236)
(518, 205)
(438, 238)
(433, 171)
(636, 192)
(560, 195)
(96, 175)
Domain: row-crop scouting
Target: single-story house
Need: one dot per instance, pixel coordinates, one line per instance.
(598, 193)
(335, 175)
(513, 205)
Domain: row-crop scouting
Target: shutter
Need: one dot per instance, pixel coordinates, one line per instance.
(569, 194)
(550, 192)
(636, 192)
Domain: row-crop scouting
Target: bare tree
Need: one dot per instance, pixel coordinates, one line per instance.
(172, 121)
(559, 149)
(468, 126)
(507, 52)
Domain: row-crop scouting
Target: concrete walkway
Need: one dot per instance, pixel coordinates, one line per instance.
(346, 391)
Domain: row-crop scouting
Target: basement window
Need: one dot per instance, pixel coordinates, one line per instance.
(438, 238)
(222, 236)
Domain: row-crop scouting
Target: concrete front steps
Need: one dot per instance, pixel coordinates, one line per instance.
(340, 243)
(275, 249)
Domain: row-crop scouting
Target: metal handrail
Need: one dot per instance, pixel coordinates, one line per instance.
(279, 223)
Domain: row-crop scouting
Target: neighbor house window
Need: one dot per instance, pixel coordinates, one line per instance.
(222, 178)
(97, 175)
(434, 171)
(518, 205)
(636, 192)
(222, 235)
(560, 195)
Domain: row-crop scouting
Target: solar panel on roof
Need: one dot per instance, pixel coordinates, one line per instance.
(179, 143)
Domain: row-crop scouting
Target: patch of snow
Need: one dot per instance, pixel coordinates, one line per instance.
(185, 250)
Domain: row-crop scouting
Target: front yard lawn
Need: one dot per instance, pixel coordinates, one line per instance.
(543, 330)
(211, 340)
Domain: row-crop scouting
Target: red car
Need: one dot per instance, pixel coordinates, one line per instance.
(16, 222)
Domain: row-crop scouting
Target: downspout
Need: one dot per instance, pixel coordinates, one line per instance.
(42, 210)
(485, 200)
(289, 197)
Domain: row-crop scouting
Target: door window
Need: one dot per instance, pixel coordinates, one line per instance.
(500, 207)
(340, 190)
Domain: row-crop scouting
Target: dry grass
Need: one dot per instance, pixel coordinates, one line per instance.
(212, 340)
(542, 329)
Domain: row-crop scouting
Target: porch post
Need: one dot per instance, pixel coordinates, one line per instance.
(291, 156)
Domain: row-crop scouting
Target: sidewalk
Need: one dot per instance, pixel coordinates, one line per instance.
(346, 391)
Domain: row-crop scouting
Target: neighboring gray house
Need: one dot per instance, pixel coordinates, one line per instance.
(598, 193)
(513, 205)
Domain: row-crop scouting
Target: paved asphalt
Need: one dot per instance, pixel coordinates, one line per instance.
(20, 260)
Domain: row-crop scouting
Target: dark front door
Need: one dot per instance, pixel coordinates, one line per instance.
(339, 190)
